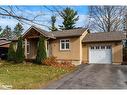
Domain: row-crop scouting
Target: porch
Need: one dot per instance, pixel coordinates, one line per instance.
(31, 38)
(31, 45)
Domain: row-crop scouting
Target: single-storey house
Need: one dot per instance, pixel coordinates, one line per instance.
(77, 45)
(4, 45)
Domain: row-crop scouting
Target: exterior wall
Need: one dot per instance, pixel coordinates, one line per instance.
(117, 52)
(81, 48)
(85, 55)
(75, 52)
(72, 54)
(117, 47)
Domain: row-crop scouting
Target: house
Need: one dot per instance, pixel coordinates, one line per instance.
(4, 45)
(77, 45)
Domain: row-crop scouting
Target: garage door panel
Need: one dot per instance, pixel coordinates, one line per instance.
(100, 56)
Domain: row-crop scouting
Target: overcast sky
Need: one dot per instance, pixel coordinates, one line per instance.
(32, 11)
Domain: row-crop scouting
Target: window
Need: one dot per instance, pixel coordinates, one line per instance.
(28, 47)
(108, 47)
(125, 43)
(102, 47)
(64, 44)
(92, 47)
(97, 47)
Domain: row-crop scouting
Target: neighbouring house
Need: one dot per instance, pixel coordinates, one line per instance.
(4, 45)
(77, 45)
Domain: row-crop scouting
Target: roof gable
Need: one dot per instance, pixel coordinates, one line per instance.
(34, 31)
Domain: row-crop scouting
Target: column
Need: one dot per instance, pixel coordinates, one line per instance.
(25, 48)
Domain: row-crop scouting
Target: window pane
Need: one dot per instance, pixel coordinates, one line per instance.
(28, 47)
(67, 45)
(62, 41)
(97, 47)
(108, 47)
(92, 47)
(102, 47)
(67, 40)
(62, 45)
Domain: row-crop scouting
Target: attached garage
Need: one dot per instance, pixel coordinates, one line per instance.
(100, 55)
(103, 48)
(4, 45)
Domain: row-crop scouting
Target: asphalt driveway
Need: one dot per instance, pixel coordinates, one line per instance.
(94, 77)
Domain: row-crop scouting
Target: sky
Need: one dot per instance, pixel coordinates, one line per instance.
(45, 14)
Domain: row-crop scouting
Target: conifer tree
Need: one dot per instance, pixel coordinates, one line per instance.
(18, 30)
(53, 21)
(7, 33)
(41, 50)
(11, 53)
(69, 17)
(20, 51)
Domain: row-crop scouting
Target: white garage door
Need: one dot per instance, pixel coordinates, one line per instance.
(100, 55)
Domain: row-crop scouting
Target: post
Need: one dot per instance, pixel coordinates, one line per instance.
(25, 48)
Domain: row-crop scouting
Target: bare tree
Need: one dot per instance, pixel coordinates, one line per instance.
(106, 18)
(17, 13)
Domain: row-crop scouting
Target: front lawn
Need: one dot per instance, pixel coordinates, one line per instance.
(28, 76)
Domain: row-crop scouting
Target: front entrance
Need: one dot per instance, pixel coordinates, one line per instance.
(32, 48)
(100, 55)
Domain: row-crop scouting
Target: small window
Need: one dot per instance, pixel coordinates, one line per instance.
(102, 47)
(108, 47)
(97, 47)
(28, 47)
(92, 47)
(64, 44)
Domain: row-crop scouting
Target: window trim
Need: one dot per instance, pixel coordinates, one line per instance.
(65, 45)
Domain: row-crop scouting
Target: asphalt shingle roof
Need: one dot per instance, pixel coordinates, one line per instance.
(3, 41)
(68, 33)
(57, 34)
(104, 36)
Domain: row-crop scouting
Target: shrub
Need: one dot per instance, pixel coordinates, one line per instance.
(41, 51)
(11, 53)
(52, 61)
(20, 51)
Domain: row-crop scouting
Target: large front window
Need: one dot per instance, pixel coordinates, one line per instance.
(65, 44)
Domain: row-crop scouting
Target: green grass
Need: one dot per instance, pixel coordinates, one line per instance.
(28, 76)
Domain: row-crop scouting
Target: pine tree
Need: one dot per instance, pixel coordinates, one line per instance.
(18, 30)
(20, 51)
(7, 33)
(53, 27)
(41, 50)
(11, 53)
(1, 29)
(69, 17)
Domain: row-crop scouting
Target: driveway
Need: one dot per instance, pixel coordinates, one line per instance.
(94, 77)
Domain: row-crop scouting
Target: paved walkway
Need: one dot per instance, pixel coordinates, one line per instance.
(94, 77)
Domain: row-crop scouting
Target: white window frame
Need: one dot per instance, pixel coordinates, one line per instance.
(28, 47)
(64, 44)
